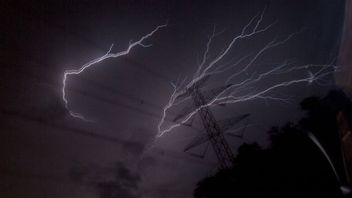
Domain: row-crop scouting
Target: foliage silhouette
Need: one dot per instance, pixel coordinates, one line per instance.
(292, 166)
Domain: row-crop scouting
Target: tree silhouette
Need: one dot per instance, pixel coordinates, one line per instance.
(292, 166)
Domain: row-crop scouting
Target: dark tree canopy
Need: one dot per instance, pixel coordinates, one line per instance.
(292, 166)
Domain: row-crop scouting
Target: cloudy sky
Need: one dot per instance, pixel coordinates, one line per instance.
(47, 153)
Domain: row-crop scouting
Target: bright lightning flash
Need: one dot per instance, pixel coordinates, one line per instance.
(108, 55)
(236, 90)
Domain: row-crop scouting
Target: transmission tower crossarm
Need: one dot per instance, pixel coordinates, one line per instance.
(217, 139)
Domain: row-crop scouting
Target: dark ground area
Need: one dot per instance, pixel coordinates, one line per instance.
(293, 166)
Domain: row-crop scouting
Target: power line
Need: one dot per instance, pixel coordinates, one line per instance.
(99, 98)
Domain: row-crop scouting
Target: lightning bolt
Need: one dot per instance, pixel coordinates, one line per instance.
(238, 91)
(93, 62)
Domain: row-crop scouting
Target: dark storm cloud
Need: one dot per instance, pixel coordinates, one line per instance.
(39, 40)
(108, 182)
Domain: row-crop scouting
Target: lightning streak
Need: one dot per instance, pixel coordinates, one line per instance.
(238, 91)
(321, 148)
(108, 55)
(346, 190)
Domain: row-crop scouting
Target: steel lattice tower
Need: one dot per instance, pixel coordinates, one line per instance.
(213, 130)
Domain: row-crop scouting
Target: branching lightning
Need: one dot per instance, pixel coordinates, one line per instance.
(238, 90)
(108, 55)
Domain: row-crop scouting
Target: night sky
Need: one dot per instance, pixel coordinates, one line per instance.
(45, 152)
